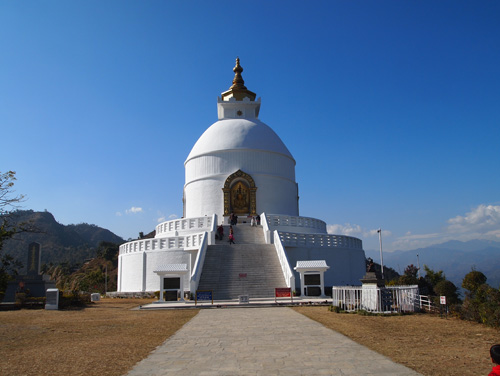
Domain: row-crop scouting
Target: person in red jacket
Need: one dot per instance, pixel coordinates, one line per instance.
(495, 358)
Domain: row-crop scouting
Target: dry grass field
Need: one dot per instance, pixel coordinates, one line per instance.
(108, 338)
(428, 344)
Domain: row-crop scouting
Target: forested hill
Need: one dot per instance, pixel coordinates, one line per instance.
(70, 244)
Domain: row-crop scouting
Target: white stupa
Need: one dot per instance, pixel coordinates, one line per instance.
(239, 165)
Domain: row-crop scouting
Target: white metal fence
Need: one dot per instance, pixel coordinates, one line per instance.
(374, 299)
(427, 304)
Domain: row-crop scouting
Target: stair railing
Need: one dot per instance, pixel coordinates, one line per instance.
(268, 234)
(285, 265)
(198, 264)
(213, 230)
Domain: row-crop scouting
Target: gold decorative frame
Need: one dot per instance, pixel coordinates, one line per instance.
(230, 181)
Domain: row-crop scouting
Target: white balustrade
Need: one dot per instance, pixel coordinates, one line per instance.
(285, 265)
(198, 265)
(275, 221)
(197, 224)
(268, 234)
(294, 239)
(191, 241)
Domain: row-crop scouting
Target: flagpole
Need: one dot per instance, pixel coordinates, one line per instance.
(381, 256)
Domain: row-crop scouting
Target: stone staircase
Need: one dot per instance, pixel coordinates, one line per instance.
(249, 267)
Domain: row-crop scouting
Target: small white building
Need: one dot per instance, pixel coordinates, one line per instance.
(239, 165)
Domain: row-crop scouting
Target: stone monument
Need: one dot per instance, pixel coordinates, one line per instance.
(372, 277)
(373, 289)
(33, 284)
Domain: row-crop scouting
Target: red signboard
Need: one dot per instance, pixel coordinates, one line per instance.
(243, 275)
(282, 292)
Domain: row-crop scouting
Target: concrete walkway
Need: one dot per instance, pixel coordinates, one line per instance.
(262, 341)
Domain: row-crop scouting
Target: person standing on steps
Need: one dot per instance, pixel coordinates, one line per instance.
(220, 232)
(231, 235)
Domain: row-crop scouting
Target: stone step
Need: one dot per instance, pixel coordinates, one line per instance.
(244, 234)
(242, 269)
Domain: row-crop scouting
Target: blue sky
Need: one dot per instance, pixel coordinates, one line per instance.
(390, 108)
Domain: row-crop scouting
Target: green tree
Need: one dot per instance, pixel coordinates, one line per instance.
(473, 280)
(108, 250)
(448, 289)
(482, 302)
(410, 276)
(428, 283)
(433, 277)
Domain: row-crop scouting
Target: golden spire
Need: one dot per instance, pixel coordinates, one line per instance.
(238, 90)
(238, 82)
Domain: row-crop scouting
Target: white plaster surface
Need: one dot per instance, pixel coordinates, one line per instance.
(230, 134)
(137, 276)
(273, 174)
(239, 142)
(347, 265)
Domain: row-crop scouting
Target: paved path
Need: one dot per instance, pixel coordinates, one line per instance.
(262, 341)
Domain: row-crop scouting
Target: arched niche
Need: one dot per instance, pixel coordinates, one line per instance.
(239, 194)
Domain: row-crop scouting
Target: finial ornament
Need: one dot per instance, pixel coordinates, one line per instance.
(238, 89)
(238, 82)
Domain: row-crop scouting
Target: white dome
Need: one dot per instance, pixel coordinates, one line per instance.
(238, 134)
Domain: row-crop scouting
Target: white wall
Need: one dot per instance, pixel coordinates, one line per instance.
(347, 266)
(225, 162)
(137, 269)
(273, 173)
(156, 259)
(131, 267)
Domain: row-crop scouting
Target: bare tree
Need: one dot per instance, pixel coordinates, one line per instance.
(9, 201)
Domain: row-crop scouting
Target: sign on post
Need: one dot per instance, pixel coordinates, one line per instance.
(442, 300)
(203, 295)
(283, 292)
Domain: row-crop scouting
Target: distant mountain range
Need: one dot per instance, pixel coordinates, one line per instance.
(60, 243)
(76, 243)
(454, 258)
